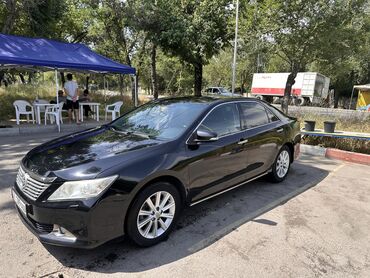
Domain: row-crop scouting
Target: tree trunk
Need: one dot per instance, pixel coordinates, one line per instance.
(288, 90)
(22, 78)
(198, 75)
(153, 70)
(11, 15)
(30, 77)
(2, 75)
(219, 82)
(121, 85)
(87, 82)
(62, 78)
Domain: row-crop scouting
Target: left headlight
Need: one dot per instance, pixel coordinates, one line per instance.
(83, 189)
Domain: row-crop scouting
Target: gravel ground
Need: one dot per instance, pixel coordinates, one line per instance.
(316, 223)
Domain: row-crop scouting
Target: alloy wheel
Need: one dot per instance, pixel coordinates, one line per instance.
(156, 214)
(282, 164)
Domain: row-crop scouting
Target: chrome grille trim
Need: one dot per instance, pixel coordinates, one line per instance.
(29, 186)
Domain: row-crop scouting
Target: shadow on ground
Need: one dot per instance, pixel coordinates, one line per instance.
(199, 227)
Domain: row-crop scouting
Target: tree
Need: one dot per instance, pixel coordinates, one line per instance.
(299, 31)
(113, 36)
(194, 31)
(145, 16)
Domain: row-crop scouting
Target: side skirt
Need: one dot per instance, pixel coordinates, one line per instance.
(228, 189)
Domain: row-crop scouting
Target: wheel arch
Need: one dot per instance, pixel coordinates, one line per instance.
(291, 149)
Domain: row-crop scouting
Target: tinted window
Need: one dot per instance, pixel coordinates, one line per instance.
(272, 117)
(253, 114)
(223, 120)
(277, 112)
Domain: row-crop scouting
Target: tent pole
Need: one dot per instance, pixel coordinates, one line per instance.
(105, 93)
(135, 90)
(350, 102)
(57, 89)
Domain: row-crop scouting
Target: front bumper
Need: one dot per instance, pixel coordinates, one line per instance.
(90, 226)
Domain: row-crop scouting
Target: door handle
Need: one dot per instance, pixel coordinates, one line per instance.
(280, 130)
(242, 141)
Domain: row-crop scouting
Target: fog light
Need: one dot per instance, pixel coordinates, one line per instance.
(59, 231)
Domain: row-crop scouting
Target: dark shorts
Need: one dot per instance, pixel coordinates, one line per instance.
(71, 104)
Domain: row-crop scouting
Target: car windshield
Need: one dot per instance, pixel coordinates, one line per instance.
(165, 120)
(224, 91)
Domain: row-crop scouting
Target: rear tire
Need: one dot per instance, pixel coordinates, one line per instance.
(281, 166)
(153, 214)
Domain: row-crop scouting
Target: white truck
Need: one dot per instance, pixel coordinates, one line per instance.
(309, 87)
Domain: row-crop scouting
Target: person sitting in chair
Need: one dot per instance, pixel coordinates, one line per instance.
(61, 98)
(86, 98)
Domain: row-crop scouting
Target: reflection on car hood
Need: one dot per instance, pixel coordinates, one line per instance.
(95, 149)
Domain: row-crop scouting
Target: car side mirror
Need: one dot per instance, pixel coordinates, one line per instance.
(205, 135)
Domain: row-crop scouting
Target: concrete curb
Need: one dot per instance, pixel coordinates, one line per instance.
(313, 150)
(359, 158)
(348, 156)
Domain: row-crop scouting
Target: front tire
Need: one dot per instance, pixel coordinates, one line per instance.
(153, 214)
(281, 166)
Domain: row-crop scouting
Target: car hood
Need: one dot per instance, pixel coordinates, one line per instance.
(86, 154)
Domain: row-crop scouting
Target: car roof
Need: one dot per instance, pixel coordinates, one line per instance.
(204, 99)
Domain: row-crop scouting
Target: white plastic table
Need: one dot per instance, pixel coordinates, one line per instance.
(94, 107)
(37, 107)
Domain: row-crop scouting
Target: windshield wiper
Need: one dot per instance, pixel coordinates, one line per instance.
(129, 132)
(119, 131)
(141, 134)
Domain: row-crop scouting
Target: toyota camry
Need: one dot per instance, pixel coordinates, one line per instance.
(134, 175)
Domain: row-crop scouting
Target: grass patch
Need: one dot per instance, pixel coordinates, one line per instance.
(342, 123)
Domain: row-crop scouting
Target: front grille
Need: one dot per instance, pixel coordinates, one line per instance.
(29, 186)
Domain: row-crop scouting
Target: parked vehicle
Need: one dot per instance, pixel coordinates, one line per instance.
(219, 91)
(134, 175)
(309, 87)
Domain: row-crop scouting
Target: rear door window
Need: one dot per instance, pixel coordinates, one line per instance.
(253, 115)
(272, 117)
(223, 120)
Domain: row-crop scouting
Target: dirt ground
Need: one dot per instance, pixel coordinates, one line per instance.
(316, 223)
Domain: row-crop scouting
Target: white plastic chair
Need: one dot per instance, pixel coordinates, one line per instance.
(113, 108)
(54, 112)
(21, 109)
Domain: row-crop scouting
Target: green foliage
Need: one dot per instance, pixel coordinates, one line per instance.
(194, 30)
(331, 37)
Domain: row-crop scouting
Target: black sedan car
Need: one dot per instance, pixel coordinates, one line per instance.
(134, 175)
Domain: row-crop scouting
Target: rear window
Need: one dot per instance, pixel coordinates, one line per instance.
(276, 111)
(253, 114)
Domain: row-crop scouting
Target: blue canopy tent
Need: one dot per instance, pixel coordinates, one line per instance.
(45, 55)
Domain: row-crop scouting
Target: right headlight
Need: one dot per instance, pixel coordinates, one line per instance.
(83, 189)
